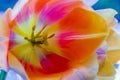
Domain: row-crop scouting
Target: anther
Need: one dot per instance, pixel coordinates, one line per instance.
(33, 29)
(26, 38)
(52, 35)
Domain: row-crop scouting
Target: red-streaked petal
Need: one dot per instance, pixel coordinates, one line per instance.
(31, 7)
(79, 49)
(26, 53)
(54, 63)
(79, 33)
(57, 9)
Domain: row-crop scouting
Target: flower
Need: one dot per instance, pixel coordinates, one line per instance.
(53, 39)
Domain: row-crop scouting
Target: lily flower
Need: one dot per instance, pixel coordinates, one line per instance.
(52, 39)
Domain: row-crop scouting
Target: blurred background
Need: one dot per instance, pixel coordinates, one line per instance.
(4, 4)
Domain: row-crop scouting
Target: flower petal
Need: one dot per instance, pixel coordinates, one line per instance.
(29, 8)
(89, 2)
(4, 39)
(113, 47)
(19, 5)
(16, 65)
(77, 29)
(107, 69)
(108, 15)
(55, 10)
(87, 71)
(26, 53)
(22, 14)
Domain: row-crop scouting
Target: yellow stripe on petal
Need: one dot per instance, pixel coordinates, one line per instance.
(26, 53)
(23, 28)
(89, 36)
(15, 28)
(27, 25)
(18, 31)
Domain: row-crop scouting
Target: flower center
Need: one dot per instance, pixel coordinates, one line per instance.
(37, 39)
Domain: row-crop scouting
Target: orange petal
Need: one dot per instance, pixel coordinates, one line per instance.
(80, 33)
(57, 9)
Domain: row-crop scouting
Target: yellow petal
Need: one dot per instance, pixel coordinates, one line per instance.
(27, 53)
(107, 69)
(114, 56)
(113, 41)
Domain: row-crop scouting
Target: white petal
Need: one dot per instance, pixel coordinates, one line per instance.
(108, 15)
(90, 2)
(19, 5)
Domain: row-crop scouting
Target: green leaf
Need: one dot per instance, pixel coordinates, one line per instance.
(3, 75)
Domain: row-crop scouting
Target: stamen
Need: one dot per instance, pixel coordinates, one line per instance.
(39, 38)
(41, 30)
(52, 35)
(26, 38)
(33, 30)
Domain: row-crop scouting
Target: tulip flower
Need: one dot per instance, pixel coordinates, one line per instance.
(52, 39)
